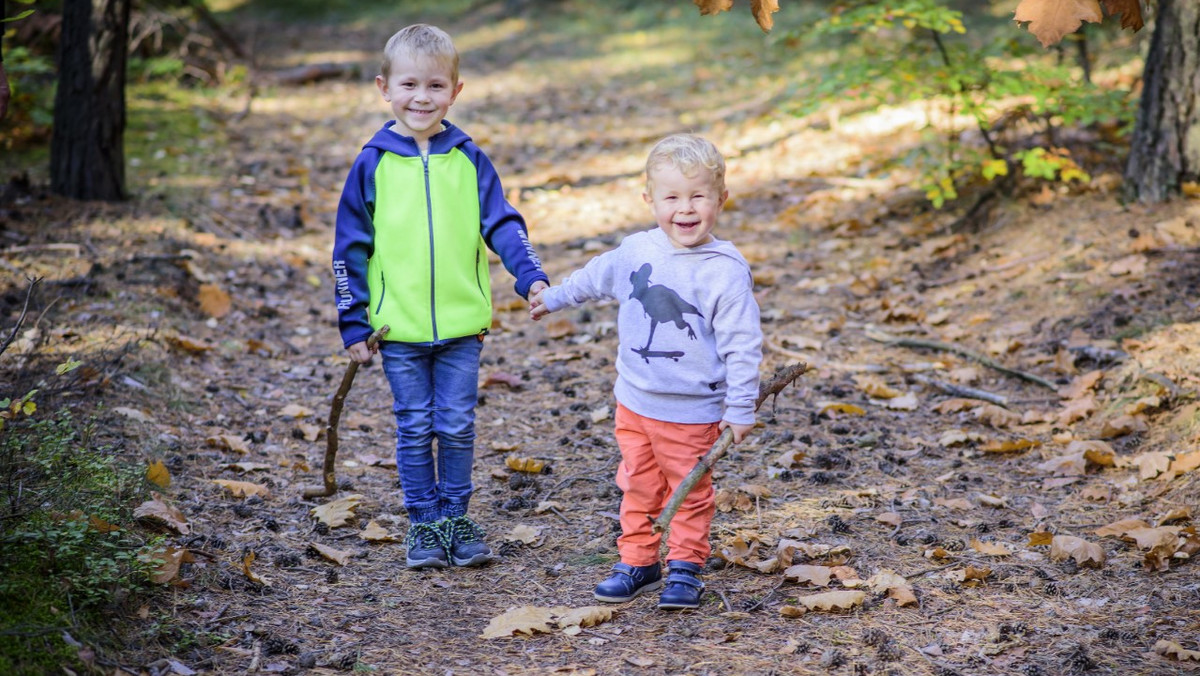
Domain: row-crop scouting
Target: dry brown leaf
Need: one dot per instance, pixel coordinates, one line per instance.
(376, 533)
(956, 405)
(1081, 385)
(1151, 465)
(587, 616)
(561, 328)
(970, 576)
(1176, 514)
(790, 459)
(1122, 425)
(1142, 405)
(1010, 445)
(513, 382)
(875, 387)
(523, 464)
(989, 548)
(339, 512)
(157, 512)
(165, 562)
(1086, 554)
(1040, 538)
(1120, 528)
(815, 575)
(158, 474)
(839, 407)
(228, 442)
(1094, 451)
(188, 344)
(897, 587)
(214, 301)
(247, 560)
(996, 416)
(905, 402)
(295, 411)
(243, 489)
(792, 611)
(1050, 20)
(961, 504)
(762, 11)
(1176, 651)
(890, 518)
(1130, 12)
(532, 619)
(1076, 410)
(337, 556)
(524, 533)
(1065, 465)
(1186, 462)
(834, 600)
(956, 437)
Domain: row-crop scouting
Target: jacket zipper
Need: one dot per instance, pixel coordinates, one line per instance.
(432, 269)
(382, 291)
(478, 279)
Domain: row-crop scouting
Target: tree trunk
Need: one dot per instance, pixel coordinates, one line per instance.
(1165, 152)
(87, 150)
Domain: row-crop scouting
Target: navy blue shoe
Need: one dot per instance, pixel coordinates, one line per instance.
(684, 588)
(466, 545)
(426, 547)
(627, 582)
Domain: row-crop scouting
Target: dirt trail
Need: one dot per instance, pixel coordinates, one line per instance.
(872, 483)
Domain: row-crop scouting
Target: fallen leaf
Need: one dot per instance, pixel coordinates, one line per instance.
(1086, 554)
(165, 562)
(339, 512)
(1010, 445)
(295, 411)
(523, 464)
(524, 533)
(1122, 425)
(1121, 527)
(587, 616)
(1081, 385)
(1076, 410)
(243, 489)
(373, 532)
(248, 559)
(890, 518)
(337, 556)
(513, 382)
(228, 442)
(1176, 651)
(214, 301)
(897, 587)
(839, 407)
(815, 575)
(834, 600)
(158, 474)
(996, 416)
(956, 405)
(157, 512)
(989, 548)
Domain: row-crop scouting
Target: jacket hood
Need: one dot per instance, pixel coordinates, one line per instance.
(387, 140)
(717, 247)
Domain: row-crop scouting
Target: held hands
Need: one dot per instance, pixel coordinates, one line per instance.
(360, 353)
(537, 306)
(739, 431)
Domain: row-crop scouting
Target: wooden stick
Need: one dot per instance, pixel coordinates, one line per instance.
(884, 338)
(963, 391)
(335, 414)
(783, 377)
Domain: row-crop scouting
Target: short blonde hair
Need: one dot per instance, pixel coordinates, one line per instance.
(688, 153)
(420, 39)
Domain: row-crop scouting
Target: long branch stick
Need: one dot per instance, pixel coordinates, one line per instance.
(884, 338)
(335, 414)
(783, 377)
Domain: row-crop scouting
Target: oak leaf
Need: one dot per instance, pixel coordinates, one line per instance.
(337, 556)
(1050, 20)
(816, 575)
(376, 533)
(158, 513)
(1086, 554)
(1130, 12)
(834, 600)
(339, 512)
(243, 489)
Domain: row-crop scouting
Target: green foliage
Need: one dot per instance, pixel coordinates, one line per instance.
(64, 565)
(901, 51)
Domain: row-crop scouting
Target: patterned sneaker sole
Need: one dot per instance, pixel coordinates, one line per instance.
(431, 562)
(622, 599)
(477, 560)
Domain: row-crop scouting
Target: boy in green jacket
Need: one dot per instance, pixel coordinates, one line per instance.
(420, 208)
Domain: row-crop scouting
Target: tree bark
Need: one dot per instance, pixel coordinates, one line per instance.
(87, 149)
(1165, 151)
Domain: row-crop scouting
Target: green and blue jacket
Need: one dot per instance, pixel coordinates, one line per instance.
(411, 240)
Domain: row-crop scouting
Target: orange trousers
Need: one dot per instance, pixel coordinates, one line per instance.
(655, 457)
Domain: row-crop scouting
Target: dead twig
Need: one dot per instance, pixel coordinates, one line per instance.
(891, 341)
(33, 282)
(783, 377)
(963, 391)
(329, 474)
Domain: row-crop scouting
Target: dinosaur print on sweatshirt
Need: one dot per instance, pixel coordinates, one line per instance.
(663, 306)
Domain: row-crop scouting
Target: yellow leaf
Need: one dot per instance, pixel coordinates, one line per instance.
(839, 407)
(524, 620)
(989, 548)
(339, 512)
(335, 555)
(248, 559)
(158, 474)
(815, 575)
(243, 489)
(214, 301)
(1010, 445)
(1040, 538)
(376, 533)
(522, 464)
(228, 442)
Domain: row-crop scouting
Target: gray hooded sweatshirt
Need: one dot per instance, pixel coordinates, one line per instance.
(688, 327)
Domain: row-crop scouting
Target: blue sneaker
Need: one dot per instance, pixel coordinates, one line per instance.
(684, 588)
(426, 548)
(465, 542)
(627, 582)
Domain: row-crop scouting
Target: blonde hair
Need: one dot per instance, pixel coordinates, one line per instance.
(420, 39)
(688, 153)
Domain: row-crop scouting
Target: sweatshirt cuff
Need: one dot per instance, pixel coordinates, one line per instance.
(739, 415)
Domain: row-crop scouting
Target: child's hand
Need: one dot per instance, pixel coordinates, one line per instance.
(360, 353)
(537, 306)
(739, 431)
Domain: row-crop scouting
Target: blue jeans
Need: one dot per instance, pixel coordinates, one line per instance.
(435, 387)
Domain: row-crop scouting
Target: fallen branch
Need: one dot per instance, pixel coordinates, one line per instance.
(335, 414)
(33, 282)
(783, 377)
(890, 341)
(963, 391)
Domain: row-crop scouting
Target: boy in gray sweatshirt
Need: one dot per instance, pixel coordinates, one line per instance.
(687, 364)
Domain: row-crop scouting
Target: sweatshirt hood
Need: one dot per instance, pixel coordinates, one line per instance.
(387, 140)
(717, 247)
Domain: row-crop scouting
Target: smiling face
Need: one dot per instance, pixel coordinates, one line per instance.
(419, 90)
(685, 207)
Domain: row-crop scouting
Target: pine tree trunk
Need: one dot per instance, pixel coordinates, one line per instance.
(87, 150)
(1165, 151)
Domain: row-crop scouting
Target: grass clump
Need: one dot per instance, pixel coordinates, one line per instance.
(70, 559)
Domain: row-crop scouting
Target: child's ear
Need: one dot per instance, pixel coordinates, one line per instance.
(724, 197)
(381, 84)
(457, 90)
(647, 198)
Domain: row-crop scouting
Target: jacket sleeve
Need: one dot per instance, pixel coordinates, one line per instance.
(353, 245)
(503, 227)
(739, 345)
(593, 281)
